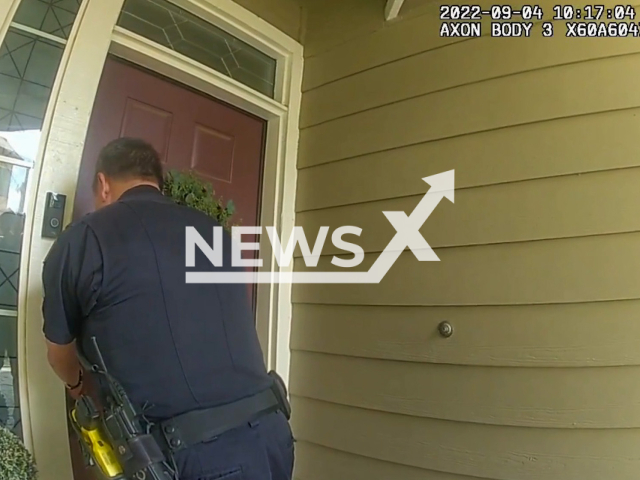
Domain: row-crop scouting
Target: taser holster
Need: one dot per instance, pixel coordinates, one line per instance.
(96, 449)
(115, 440)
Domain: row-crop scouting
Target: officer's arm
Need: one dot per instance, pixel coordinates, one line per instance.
(64, 362)
(68, 273)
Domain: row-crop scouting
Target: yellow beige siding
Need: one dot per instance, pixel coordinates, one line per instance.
(285, 15)
(540, 254)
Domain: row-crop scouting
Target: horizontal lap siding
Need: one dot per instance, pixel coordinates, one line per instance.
(560, 207)
(596, 268)
(523, 397)
(471, 449)
(285, 15)
(315, 462)
(539, 272)
(600, 334)
(535, 96)
(532, 151)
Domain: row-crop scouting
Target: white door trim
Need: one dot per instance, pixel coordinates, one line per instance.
(168, 63)
(42, 394)
(95, 35)
(8, 9)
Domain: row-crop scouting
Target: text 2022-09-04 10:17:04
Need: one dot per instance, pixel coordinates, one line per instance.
(530, 20)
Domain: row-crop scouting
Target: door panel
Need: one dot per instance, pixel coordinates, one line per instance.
(207, 140)
(151, 123)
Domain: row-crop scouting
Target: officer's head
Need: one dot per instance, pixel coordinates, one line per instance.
(123, 164)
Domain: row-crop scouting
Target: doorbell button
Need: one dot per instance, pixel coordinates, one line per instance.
(53, 215)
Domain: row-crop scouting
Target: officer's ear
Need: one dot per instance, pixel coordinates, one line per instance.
(102, 188)
(102, 185)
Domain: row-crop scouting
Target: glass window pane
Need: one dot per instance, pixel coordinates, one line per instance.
(11, 232)
(49, 16)
(187, 34)
(28, 66)
(9, 398)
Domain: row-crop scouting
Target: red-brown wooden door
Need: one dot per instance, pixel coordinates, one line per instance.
(190, 131)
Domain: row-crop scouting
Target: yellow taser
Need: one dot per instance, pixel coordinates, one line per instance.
(100, 449)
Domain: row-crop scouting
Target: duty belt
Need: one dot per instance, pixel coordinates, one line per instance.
(204, 425)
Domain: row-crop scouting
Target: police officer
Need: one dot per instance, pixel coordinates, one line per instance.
(181, 351)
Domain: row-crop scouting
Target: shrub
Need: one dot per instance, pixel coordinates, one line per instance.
(16, 462)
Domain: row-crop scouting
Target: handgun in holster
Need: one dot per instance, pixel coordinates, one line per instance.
(115, 439)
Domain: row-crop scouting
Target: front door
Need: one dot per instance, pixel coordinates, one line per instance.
(191, 131)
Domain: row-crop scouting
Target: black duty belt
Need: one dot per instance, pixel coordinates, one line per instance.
(205, 425)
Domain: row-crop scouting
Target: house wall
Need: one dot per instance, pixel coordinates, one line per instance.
(539, 268)
(286, 15)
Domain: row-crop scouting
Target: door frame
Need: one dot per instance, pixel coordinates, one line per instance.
(94, 36)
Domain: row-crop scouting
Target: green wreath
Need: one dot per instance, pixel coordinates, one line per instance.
(185, 188)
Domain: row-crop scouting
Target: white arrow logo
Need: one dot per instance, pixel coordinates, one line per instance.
(407, 236)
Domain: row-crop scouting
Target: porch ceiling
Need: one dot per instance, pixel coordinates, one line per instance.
(410, 5)
(392, 8)
(395, 8)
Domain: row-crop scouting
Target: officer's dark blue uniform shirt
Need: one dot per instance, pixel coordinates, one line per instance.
(118, 275)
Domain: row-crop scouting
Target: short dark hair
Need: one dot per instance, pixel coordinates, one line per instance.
(127, 159)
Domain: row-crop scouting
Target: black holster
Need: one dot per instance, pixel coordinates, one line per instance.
(139, 452)
(279, 390)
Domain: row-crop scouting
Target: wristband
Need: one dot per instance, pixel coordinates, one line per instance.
(73, 387)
